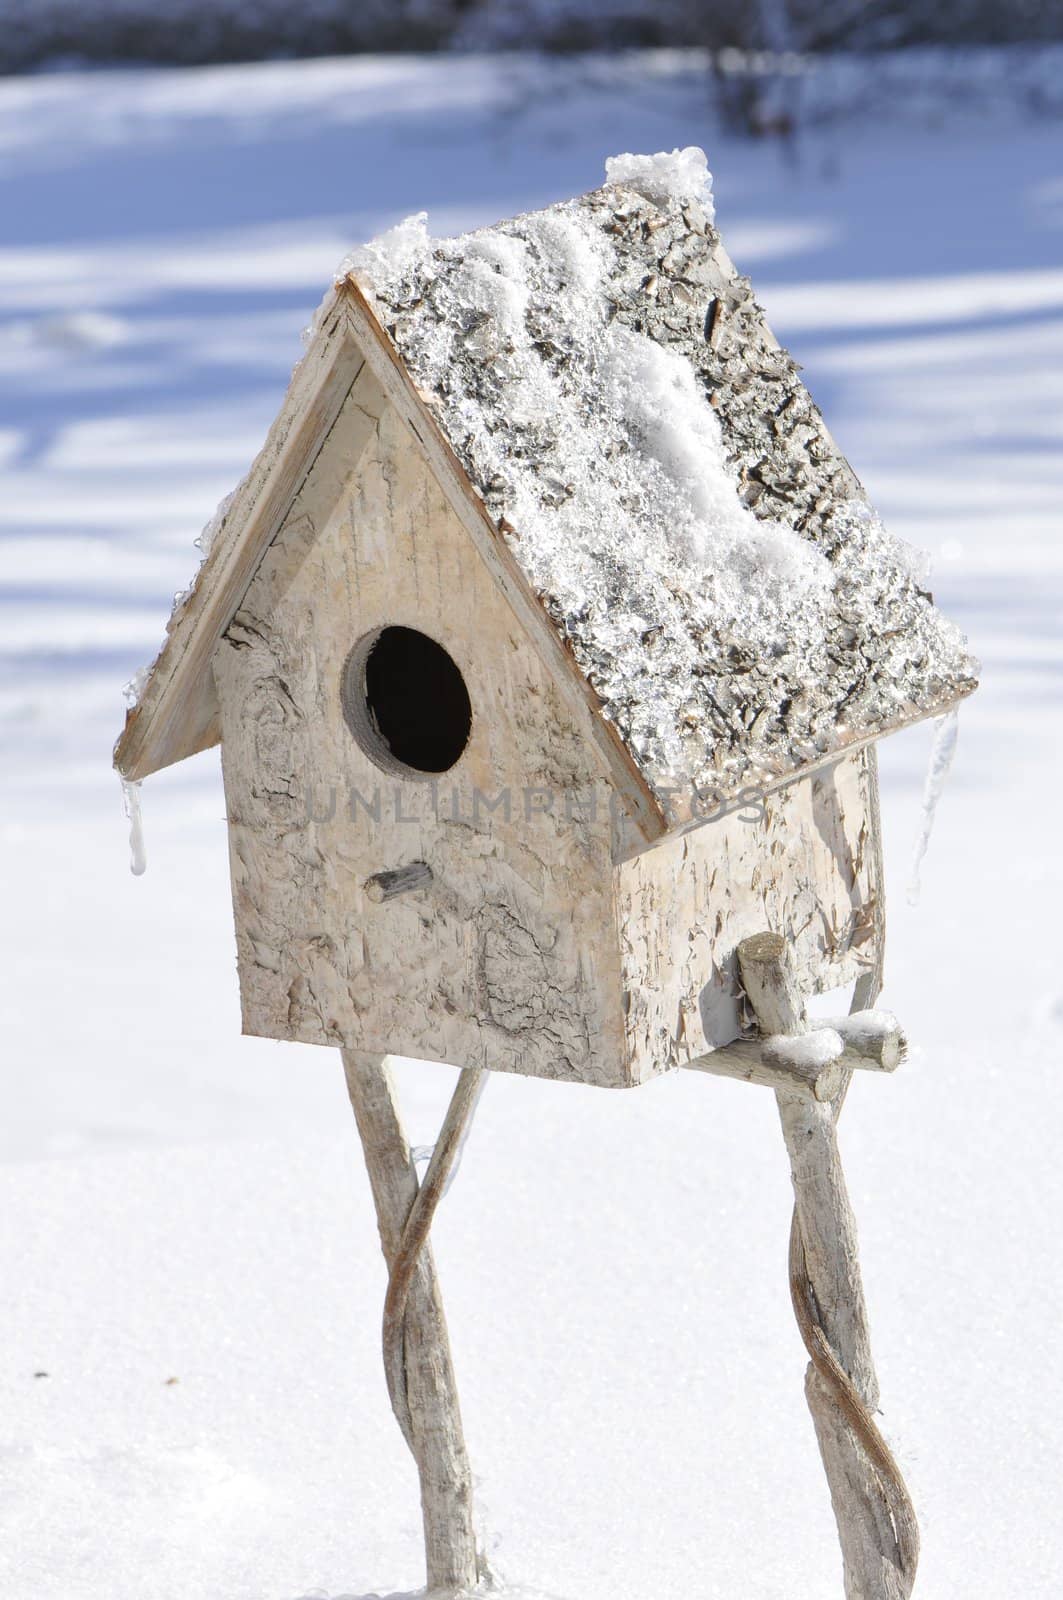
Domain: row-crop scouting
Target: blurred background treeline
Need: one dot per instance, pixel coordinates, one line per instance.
(36, 34)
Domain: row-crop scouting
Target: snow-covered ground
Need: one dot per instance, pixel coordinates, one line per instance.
(183, 1204)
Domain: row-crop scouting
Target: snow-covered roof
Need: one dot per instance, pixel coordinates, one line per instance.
(656, 466)
(652, 461)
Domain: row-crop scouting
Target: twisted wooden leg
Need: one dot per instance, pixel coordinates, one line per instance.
(417, 1360)
(876, 1523)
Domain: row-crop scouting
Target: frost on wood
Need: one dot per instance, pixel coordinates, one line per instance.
(204, 542)
(655, 464)
(812, 1050)
(135, 687)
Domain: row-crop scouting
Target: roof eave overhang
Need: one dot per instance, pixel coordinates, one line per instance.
(177, 713)
(686, 810)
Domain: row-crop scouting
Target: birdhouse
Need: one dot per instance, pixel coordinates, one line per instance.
(547, 642)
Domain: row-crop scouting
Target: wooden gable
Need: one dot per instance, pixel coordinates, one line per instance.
(509, 958)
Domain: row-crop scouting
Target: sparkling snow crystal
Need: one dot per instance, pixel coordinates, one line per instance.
(681, 175)
(393, 252)
(813, 1050)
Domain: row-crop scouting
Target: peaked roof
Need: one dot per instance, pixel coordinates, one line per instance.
(659, 478)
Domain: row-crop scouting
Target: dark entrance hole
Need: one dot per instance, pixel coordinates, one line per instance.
(406, 702)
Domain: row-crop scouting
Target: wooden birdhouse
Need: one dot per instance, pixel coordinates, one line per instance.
(547, 642)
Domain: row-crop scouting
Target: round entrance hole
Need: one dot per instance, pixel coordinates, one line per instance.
(405, 701)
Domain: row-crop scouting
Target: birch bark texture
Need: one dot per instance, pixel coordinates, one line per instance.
(425, 1399)
(876, 1522)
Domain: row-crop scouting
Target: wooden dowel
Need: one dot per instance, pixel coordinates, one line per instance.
(431, 1416)
(398, 880)
(874, 1039)
(862, 1041)
(772, 1064)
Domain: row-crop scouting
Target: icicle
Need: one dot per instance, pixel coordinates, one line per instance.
(941, 754)
(421, 1154)
(465, 1132)
(138, 861)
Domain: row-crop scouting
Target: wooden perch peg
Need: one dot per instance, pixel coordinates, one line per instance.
(782, 1062)
(873, 1040)
(815, 1061)
(399, 880)
(876, 1522)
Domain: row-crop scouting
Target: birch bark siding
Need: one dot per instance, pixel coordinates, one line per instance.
(507, 957)
(802, 859)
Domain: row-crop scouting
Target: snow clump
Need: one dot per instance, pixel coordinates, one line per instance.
(668, 175)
